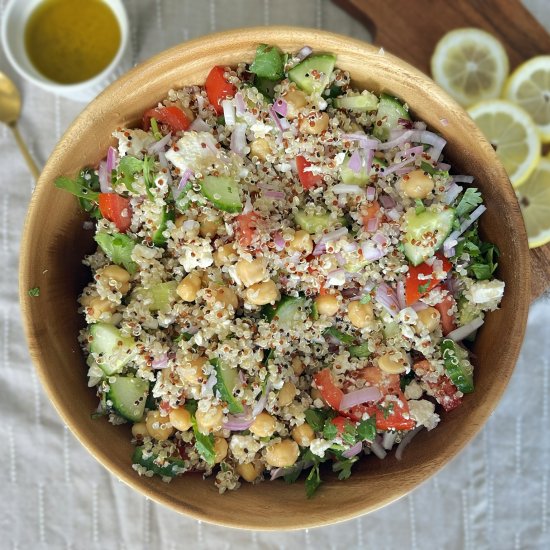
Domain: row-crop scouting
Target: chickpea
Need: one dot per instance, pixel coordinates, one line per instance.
(286, 394)
(223, 254)
(302, 242)
(360, 315)
(188, 113)
(209, 421)
(327, 304)
(388, 364)
(98, 306)
(179, 221)
(417, 184)
(428, 318)
(262, 293)
(189, 286)
(296, 100)
(303, 435)
(209, 225)
(191, 371)
(180, 419)
(226, 296)
(139, 430)
(117, 274)
(158, 426)
(260, 148)
(251, 272)
(220, 449)
(283, 454)
(297, 366)
(263, 425)
(249, 471)
(315, 123)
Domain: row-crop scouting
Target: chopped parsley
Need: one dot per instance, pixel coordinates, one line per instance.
(34, 292)
(468, 202)
(422, 289)
(419, 206)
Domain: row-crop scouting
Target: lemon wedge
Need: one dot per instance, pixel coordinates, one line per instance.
(512, 133)
(470, 64)
(529, 87)
(534, 201)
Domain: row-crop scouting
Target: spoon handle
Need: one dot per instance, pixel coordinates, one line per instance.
(25, 151)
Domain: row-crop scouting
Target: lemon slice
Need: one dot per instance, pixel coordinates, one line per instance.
(534, 201)
(529, 87)
(470, 64)
(512, 133)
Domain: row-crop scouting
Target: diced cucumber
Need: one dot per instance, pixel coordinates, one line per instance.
(269, 63)
(390, 110)
(458, 367)
(227, 380)
(426, 232)
(163, 294)
(117, 350)
(339, 335)
(365, 102)
(172, 468)
(222, 192)
(166, 215)
(313, 223)
(362, 177)
(128, 395)
(312, 75)
(118, 248)
(360, 351)
(286, 312)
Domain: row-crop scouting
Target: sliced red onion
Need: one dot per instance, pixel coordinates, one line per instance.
(306, 51)
(366, 141)
(228, 112)
(418, 125)
(463, 332)
(260, 404)
(378, 450)
(471, 218)
(285, 124)
(352, 451)
(371, 193)
(386, 297)
(112, 161)
(279, 241)
(400, 293)
(182, 183)
(352, 292)
(240, 106)
(340, 258)
(463, 179)
(238, 139)
(160, 144)
(437, 142)
(370, 251)
(210, 384)
(387, 170)
(349, 246)
(388, 439)
(419, 306)
(373, 224)
(199, 125)
(320, 248)
(452, 193)
(410, 152)
(400, 139)
(405, 122)
(160, 363)
(443, 166)
(163, 161)
(234, 423)
(368, 160)
(449, 247)
(386, 201)
(355, 162)
(336, 277)
(104, 184)
(380, 238)
(344, 188)
(334, 235)
(280, 106)
(275, 118)
(276, 195)
(393, 215)
(357, 397)
(405, 441)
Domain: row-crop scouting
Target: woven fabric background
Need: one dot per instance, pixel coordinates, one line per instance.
(54, 495)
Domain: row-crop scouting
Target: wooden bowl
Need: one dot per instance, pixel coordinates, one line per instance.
(54, 243)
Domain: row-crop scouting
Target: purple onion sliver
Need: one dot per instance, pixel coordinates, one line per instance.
(419, 306)
(160, 144)
(278, 241)
(443, 166)
(160, 363)
(237, 424)
(352, 451)
(306, 51)
(199, 125)
(238, 139)
(334, 235)
(276, 195)
(372, 224)
(386, 201)
(365, 141)
(371, 193)
(368, 160)
(402, 138)
(380, 238)
(112, 160)
(280, 107)
(240, 106)
(355, 162)
(104, 184)
(463, 179)
(358, 397)
(400, 293)
(320, 248)
(378, 450)
(393, 215)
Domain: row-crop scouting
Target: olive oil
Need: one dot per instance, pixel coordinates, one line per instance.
(70, 41)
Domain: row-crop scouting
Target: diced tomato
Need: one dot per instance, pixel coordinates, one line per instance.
(447, 320)
(445, 393)
(246, 227)
(330, 392)
(308, 179)
(376, 377)
(340, 423)
(371, 211)
(172, 116)
(416, 285)
(393, 415)
(116, 209)
(217, 88)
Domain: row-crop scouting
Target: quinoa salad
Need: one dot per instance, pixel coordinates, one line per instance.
(287, 274)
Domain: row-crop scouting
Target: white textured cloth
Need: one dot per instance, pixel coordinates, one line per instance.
(54, 495)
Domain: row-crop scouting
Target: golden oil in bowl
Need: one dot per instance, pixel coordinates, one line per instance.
(70, 41)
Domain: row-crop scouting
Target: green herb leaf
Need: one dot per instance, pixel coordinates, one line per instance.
(419, 206)
(406, 379)
(343, 467)
(366, 430)
(205, 446)
(329, 430)
(470, 199)
(34, 292)
(268, 63)
(127, 169)
(155, 129)
(422, 289)
(191, 405)
(77, 187)
(293, 475)
(313, 481)
(361, 350)
(339, 335)
(118, 248)
(385, 409)
(316, 418)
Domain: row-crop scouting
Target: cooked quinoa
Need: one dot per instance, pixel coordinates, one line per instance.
(285, 274)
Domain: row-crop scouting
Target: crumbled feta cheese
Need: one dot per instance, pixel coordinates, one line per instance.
(319, 446)
(133, 142)
(486, 293)
(413, 390)
(194, 151)
(423, 412)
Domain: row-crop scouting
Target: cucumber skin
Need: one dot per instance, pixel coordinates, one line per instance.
(363, 102)
(298, 73)
(390, 109)
(234, 406)
(141, 389)
(167, 215)
(231, 204)
(269, 312)
(461, 374)
(166, 471)
(313, 223)
(103, 331)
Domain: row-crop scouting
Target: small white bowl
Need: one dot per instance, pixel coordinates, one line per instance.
(16, 16)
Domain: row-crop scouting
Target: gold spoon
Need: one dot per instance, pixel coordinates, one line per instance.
(10, 109)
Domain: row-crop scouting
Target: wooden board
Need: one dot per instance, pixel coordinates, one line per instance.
(412, 28)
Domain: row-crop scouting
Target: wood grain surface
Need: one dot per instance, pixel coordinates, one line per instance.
(411, 29)
(55, 241)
